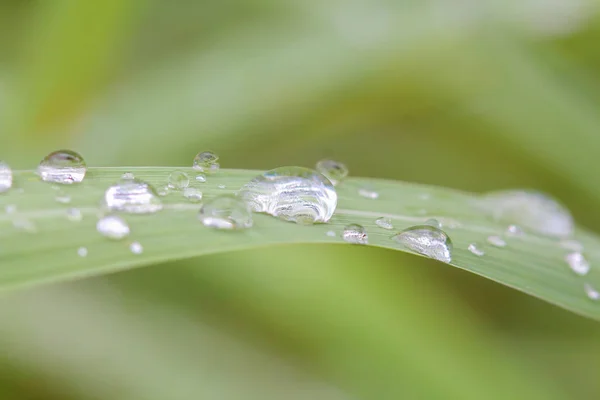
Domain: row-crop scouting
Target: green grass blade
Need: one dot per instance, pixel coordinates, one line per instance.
(530, 263)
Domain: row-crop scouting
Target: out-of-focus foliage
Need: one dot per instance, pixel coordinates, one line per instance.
(475, 95)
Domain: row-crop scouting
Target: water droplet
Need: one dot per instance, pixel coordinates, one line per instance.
(333, 170)
(82, 252)
(532, 210)
(24, 224)
(10, 208)
(591, 292)
(6, 177)
(475, 249)
(428, 241)
(62, 197)
(63, 166)
(74, 214)
(330, 233)
(571, 244)
(434, 222)
(514, 230)
(578, 263)
(136, 248)
(113, 227)
(384, 222)
(192, 194)
(178, 180)
(132, 196)
(293, 194)
(368, 193)
(201, 178)
(207, 162)
(128, 176)
(163, 191)
(496, 241)
(355, 234)
(226, 212)
(221, 186)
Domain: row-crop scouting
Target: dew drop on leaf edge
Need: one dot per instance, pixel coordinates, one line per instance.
(428, 241)
(63, 166)
(207, 162)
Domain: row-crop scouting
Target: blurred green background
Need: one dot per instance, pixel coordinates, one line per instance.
(471, 94)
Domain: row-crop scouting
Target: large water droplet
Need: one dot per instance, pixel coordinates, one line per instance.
(496, 241)
(427, 240)
(476, 249)
(113, 227)
(578, 263)
(178, 180)
(132, 196)
(591, 292)
(6, 177)
(226, 212)
(192, 194)
(136, 248)
(293, 194)
(355, 234)
(332, 170)
(533, 210)
(368, 193)
(63, 166)
(206, 162)
(384, 222)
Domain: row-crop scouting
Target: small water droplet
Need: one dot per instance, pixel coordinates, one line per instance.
(368, 193)
(475, 249)
(128, 176)
(591, 292)
(384, 222)
(192, 194)
(355, 234)
(294, 194)
(74, 214)
(163, 191)
(221, 186)
(428, 241)
(82, 252)
(201, 178)
(132, 196)
(62, 166)
(112, 227)
(6, 177)
(333, 170)
(136, 248)
(226, 212)
(10, 208)
(514, 230)
(62, 197)
(578, 263)
(496, 241)
(24, 224)
(571, 244)
(433, 222)
(330, 233)
(206, 162)
(178, 180)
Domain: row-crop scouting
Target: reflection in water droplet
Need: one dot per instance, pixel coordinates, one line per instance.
(428, 241)
(591, 292)
(434, 222)
(355, 234)
(384, 222)
(226, 212)
(332, 170)
(293, 194)
(132, 196)
(368, 193)
(112, 227)
(496, 241)
(571, 244)
(578, 263)
(62, 197)
(6, 177)
(74, 214)
(136, 248)
(532, 210)
(330, 233)
(201, 178)
(82, 252)
(514, 230)
(192, 194)
(128, 176)
(206, 162)
(475, 249)
(178, 180)
(63, 166)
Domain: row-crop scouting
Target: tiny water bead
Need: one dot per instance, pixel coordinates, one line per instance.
(368, 193)
(578, 263)
(10, 208)
(163, 191)
(128, 176)
(496, 241)
(113, 227)
(294, 194)
(6, 177)
(330, 233)
(476, 249)
(74, 214)
(206, 162)
(384, 222)
(192, 194)
(433, 222)
(201, 178)
(428, 241)
(333, 170)
(132, 196)
(355, 234)
(82, 252)
(178, 180)
(221, 186)
(63, 166)
(591, 292)
(24, 224)
(226, 212)
(514, 230)
(136, 248)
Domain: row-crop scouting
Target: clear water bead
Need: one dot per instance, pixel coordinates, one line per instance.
(136, 248)
(82, 252)
(63, 166)
(428, 241)
(368, 193)
(226, 212)
(476, 249)
(206, 162)
(496, 241)
(333, 170)
(532, 210)
(201, 178)
(6, 177)
(578, 263)
(163, 191)
(221, 186)
(434, 222)
(384, 222)
(294, 194)
(128, 176)
(591, 292)
(112, 227)
(330, 233)
(355, 234)
(192, 194)
(132, 196)
(74, 214)
(178, 180)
